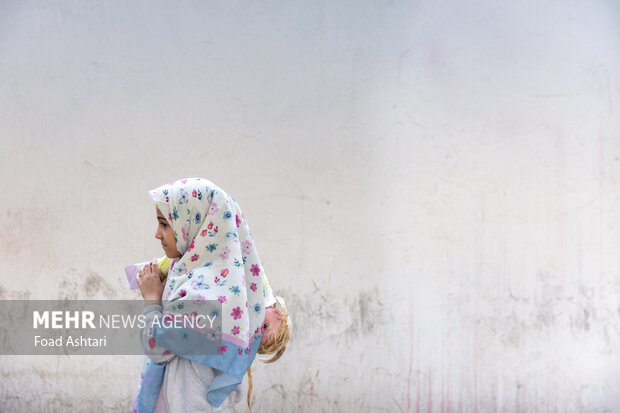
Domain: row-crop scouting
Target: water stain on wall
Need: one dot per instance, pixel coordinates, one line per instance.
(84, 284)
(95, 284)
(367, 311)
(26, 237)
(14, 295)
(334, 315)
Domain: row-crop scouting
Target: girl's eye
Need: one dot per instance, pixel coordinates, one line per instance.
(265, 326)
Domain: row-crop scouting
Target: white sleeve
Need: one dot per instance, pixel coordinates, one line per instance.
(153, 350)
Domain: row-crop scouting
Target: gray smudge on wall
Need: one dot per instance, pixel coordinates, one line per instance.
(84, 284)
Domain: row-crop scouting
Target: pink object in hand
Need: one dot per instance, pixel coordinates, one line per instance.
(131, 271)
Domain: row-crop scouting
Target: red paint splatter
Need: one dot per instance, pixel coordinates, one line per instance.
(429, 406)
(410, 364)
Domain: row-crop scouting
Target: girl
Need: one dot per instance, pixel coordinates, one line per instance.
(205, 233)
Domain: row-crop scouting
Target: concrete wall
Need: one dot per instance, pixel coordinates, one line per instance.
(432, 185)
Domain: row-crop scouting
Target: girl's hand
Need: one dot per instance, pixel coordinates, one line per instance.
(151, 282)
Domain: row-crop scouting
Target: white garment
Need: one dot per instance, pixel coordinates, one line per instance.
(194, 379)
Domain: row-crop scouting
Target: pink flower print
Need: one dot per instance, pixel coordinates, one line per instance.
(195, 257)
(210, 226)
(167, 199)
(216, 279)
(224, 273)
(255, 270)
(253, 287)
(222, 299)
(234, 331)
(240, 351)
(194, 193)
(238, 220)
(184, 231)
(199, 300)
(169, 217)
(182, 293)
(165, 353)
(203, 233)
(191, 247)
(257, 330)
(247, 246)
(221, 349)
(237, 312)
(213, 208)
(224, 253)
(151, 342)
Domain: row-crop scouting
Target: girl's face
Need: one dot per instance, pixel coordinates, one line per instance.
(165, 234)
(272, 323)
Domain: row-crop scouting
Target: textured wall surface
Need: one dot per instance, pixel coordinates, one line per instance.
(432, 185)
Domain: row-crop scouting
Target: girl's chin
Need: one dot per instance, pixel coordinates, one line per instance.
(172, 256)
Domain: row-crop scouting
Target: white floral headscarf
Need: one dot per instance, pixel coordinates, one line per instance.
(218, 262)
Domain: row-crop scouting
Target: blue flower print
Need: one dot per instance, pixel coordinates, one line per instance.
(184, 196)
(199, 284)
(165, 192)
(235, 290)
(227, 215)
(257, 308)
(181, 269)
(175, 213)
(232, 234)
(197, 217)
(211, 247)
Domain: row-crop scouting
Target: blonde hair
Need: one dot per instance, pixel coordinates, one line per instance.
(276, 344)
